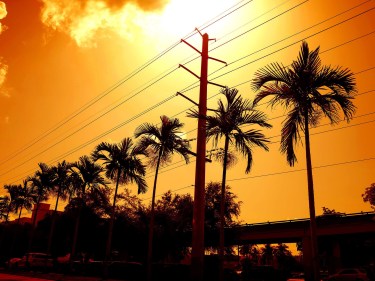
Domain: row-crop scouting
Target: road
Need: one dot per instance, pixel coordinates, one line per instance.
(49, 277)
(9, 277)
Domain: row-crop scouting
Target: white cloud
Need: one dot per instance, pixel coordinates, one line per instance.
(3, 14)
(3, 73)
(87, 21)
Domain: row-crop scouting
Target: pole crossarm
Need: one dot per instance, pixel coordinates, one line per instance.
(194, 154)
(188, 70)
(215, 84)
(187, 43)
(189, 99)
(215, 59)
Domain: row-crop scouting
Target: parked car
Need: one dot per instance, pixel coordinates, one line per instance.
(349, 274)
(297, 276)
(31, 261)
(300, 276)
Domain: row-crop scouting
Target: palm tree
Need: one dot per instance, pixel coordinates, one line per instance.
(24, 199)
(162, 141)
(41, 183)
(4, 207)
(308, 91)
(229, 121)
(13, 190)
(61, 184)
(267, 253)
(87, 176)
(123, 166)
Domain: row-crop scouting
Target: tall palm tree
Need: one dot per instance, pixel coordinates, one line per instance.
(24, 199)
(308, 91)
(13, 191)
(230, 121)
(162, 141)
(87, 177)
(61, 184)
(41, 183)
(122, 166)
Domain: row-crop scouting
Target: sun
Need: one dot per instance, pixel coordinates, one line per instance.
(180, 17)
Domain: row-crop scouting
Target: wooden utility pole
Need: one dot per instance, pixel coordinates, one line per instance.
(197, 256)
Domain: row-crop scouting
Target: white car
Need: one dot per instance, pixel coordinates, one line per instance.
(349, 274)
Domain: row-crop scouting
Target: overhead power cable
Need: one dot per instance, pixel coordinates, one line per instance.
(282, 173)
(347, 19)
(296, 42)
(106, 112)
(122, 81)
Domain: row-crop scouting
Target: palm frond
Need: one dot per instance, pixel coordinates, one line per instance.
(290, 135)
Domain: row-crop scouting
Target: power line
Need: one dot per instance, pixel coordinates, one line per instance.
(296, 42)
(114, 87)
(283, 172)
(122, 81)
(326, 29)
(300, 170)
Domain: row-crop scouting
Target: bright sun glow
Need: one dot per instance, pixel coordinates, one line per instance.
(88, 23)
(181, 17)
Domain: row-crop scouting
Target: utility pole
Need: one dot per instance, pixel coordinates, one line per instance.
(197, 256)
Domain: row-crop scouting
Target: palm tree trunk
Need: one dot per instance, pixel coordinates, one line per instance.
(112, 219)
(310, 186)
(76, 230)
(152, 221)
(19, 216)
(50, 238)
(222, 211)
(15, 235)
(33, 227)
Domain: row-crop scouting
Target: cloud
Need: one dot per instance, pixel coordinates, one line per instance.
(3, 74)
(3, 14)
(87, 20)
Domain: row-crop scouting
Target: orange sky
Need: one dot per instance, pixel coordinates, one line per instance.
(58, 56)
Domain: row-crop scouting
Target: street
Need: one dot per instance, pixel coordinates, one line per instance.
(9, 277)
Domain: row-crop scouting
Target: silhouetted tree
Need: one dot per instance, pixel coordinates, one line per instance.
(87, 176)
(369, 195)
(308, 91)
(40, 184)
(24, 198)
(233, 121)
(284, 257)
(60, 186)
(13, 190)
(122, 166)
(267, 254)
(162, 141)
(4, 207)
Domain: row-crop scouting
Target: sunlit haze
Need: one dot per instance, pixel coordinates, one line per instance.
(75, 73)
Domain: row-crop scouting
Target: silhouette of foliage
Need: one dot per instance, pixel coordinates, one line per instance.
(369, 195)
